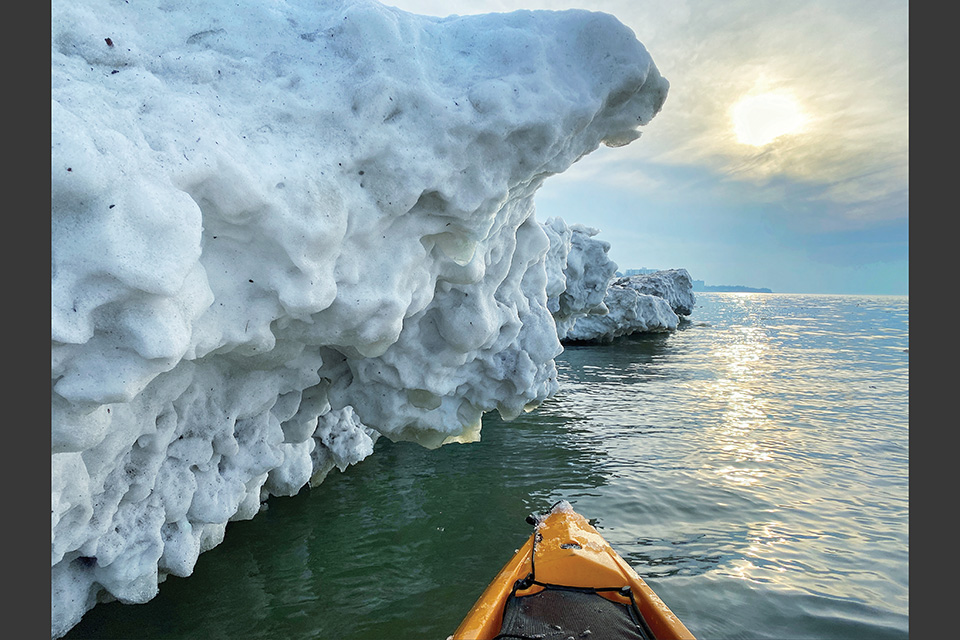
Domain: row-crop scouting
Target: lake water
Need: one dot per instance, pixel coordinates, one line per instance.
(752, 466)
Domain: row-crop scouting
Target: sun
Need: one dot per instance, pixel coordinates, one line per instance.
(760, 119)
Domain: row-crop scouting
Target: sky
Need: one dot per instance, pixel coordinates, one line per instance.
(780, 158)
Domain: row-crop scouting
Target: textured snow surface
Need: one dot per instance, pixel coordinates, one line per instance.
(673, 285)
(281, 230)
(638, 304)
(578, 273)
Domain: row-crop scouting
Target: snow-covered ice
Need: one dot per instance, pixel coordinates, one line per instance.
(675, 286)
(281, 230)
(578, 273)
(638, 304)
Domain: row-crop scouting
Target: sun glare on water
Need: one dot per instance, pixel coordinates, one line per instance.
(760, 119)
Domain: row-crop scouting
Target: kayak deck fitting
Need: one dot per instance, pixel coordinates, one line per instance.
(566, 581)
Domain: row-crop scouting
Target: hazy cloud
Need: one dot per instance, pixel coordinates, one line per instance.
(690, 191)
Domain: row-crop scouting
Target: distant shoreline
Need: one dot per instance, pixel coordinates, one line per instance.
(698, 285)
(726, 288)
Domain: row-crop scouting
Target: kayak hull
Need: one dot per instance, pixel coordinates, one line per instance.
(566, 550)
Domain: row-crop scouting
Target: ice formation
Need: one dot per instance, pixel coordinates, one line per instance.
(638, 304)
(675, 286)
(281, 230)
(578, 273)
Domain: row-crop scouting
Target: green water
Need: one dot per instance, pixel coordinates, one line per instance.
(752, 466)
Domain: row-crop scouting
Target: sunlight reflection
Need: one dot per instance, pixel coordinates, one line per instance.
(738, 394)
(744, 569)
(746, 444)
(741, 476)
(764, 561)
(765, 535)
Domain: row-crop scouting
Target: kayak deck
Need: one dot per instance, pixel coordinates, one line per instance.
(566, 580)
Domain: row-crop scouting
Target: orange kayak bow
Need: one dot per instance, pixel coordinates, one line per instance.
(567, 581)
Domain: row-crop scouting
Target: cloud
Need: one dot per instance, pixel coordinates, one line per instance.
(847, 68)
(846, 63)
(809, 210)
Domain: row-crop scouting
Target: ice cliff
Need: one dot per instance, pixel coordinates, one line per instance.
(281, 230)
(590, 303)
(637, 304)
(578, 273)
